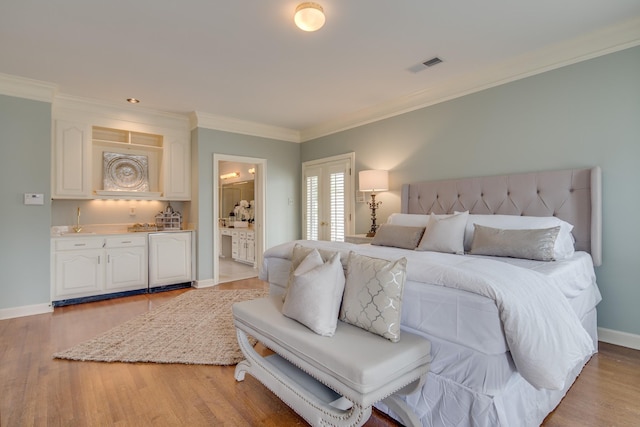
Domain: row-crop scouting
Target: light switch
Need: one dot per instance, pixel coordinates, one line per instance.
(33, 199)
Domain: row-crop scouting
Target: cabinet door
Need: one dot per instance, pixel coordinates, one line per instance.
(169, 258)
(235, 244)
(72, 158)
(78, 273)
(251, 247)
(242, 245)
(177, 172)
(126, 268)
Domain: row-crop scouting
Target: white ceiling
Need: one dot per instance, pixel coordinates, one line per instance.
(245, 60)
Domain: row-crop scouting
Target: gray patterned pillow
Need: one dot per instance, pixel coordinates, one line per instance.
(535, 244)
(372, 297)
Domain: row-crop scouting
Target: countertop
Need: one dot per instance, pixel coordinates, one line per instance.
(104, 230)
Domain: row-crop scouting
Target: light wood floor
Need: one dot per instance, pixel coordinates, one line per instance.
(36, 390)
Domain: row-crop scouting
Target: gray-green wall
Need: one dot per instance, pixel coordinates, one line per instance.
(282, 183)
(25, 167)
(581, 115)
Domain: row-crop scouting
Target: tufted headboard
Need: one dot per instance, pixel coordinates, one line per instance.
(573, 195)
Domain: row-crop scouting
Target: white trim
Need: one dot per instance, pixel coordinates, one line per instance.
(21, 87)
(624, 339)
(350, 211)
(260, 215)
(244, 127)
(25, 310)
(593, 45)
(104, 113)
(207, 283)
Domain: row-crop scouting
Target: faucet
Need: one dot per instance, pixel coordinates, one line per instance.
(77, 228)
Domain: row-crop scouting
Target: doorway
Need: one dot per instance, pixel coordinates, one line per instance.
(239, 216)
(327, 199)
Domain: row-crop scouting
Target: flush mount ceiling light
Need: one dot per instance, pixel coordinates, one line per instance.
(309, 16)
(133, 100)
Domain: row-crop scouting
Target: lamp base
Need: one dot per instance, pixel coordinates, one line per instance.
(371, 234)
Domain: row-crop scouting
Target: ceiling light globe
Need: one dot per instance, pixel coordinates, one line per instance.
(309, 16)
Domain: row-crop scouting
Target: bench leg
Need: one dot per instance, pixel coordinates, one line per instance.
(315, 411)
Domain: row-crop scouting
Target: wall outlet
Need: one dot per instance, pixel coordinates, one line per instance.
(132, 211)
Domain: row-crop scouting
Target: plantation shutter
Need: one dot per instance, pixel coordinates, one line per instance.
(326, 206)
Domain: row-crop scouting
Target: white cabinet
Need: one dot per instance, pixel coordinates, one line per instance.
(170, 258)
(243, 246)
(78, 159)
(77, 267)
(88, 266)
(177, 170)
(91, 266)
(126, 263)
(71, 160)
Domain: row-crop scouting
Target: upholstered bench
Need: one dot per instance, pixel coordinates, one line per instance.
(314, 374)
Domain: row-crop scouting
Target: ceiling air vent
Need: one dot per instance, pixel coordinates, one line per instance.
(421, 66)
(431, 62)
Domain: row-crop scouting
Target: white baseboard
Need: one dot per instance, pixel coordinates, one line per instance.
(25, 310)
(207, 283)
(624, 339)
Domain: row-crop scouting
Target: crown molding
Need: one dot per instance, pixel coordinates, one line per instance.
(599, 43)
(244, 127)
(74, 107)
(21, 87)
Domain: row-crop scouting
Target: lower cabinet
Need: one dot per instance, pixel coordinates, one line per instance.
(170, 258)
(91, 266)
(126, 263)
(243, 246)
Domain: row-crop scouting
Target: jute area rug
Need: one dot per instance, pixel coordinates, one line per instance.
(194, 328)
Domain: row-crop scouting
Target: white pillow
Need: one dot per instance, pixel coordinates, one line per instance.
(444, 233)
(563, 247)
(314, 296)
(408, 220)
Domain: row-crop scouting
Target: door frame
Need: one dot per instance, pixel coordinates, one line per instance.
(349, 190)
(260, 215)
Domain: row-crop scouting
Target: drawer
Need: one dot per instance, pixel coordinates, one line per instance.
(225, 232)
(125, 241)
(72, 244)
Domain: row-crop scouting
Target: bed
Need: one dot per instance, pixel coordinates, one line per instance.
(492, 365)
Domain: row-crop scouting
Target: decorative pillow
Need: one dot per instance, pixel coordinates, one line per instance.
(298, 255)
(398, 236)
(563, 248)
(408, 220)
(445, 233)
(373, 295)
(528, 244)
(315, 293)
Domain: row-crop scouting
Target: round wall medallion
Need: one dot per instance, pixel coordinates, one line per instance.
(124, 172)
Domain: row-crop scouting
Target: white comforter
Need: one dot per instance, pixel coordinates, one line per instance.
(544, 335)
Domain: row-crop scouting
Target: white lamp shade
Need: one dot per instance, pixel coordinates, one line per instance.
(309, 16)
(373, 180)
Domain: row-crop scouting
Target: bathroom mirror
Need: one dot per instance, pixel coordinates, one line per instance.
(232, 193)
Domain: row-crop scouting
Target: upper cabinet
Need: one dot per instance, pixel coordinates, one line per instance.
(102, 158)
(72, 155)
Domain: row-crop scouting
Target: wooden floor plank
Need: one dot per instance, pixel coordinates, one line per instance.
(36, 390)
